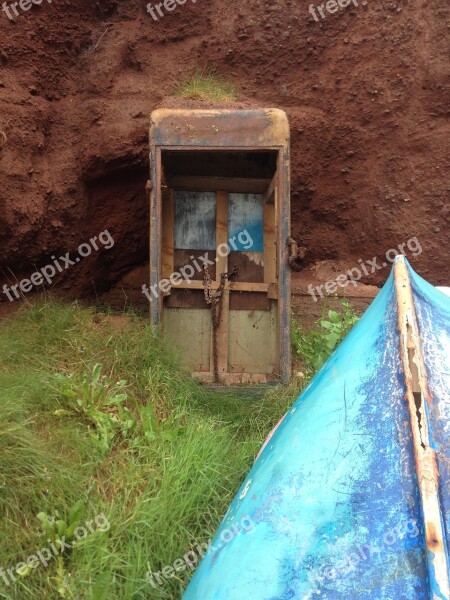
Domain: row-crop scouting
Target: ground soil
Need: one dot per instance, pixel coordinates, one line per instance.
(364, 90)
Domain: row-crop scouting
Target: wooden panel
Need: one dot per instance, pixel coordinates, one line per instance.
(283, 221)
(194, 220)
(186, 299)
(189, 331)
(230, 379)
(245, 214)
(183, 258)
(252, 341)
(222, 267)
(250, 265)
(223, 336)
(211, 184)
(269, 288)
(269, 194)
(167, 233)
(270, 249)
(249, 301)
(222, 233)
(155, 232)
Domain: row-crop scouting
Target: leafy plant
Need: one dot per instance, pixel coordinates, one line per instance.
(99, 401)
(314, 347)
(58, 531)
(55, 528)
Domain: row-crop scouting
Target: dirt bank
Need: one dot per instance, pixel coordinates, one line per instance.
(363, 88)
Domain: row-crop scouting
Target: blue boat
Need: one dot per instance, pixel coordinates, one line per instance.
(350, 497)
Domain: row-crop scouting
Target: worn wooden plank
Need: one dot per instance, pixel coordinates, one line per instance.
(185, 264)
(270, 249)
(222, 233)
(233, 285)
(249, 301)
(229, 379)
(222, 267)
(417, 396)
(223, 334)
(250, 265)
(188, 330)
(269, 194)
(244, 378)
(212, 184)
(249, 287)
(252, 345)
(283, 221)
(167, 233)
(155, 232)
(186, 299)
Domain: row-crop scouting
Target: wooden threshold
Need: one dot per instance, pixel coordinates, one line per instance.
(233, 378)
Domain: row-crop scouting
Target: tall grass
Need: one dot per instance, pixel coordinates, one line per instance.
(177, 454)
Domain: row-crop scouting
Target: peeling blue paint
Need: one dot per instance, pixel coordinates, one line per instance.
(334, 495)
(245, 213)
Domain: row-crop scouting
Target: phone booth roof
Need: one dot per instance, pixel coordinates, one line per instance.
(227, 128)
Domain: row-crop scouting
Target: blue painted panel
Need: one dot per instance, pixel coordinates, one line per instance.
(333, 496)
(194, 220)
(245, 222)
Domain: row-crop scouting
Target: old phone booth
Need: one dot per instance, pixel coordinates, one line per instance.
(219, 225)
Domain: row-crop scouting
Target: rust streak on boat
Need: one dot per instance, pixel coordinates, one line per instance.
(418, 398)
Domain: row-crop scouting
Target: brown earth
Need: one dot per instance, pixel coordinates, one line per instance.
(364, 90)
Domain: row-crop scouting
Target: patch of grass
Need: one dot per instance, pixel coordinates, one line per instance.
(163, 474)
(314, 347)
(207, 86)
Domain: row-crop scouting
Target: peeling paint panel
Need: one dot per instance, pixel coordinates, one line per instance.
(195, 220)
(245, 222)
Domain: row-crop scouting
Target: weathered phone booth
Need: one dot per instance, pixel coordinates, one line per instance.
(219, 225)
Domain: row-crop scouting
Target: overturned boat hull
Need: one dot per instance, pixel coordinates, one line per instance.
(350, 498)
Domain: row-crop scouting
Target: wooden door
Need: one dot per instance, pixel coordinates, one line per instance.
(232, 233)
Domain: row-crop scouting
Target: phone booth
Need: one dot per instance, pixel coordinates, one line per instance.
(219, 228)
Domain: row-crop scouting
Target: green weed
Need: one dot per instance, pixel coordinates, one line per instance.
(98, 400)
(314, 347)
